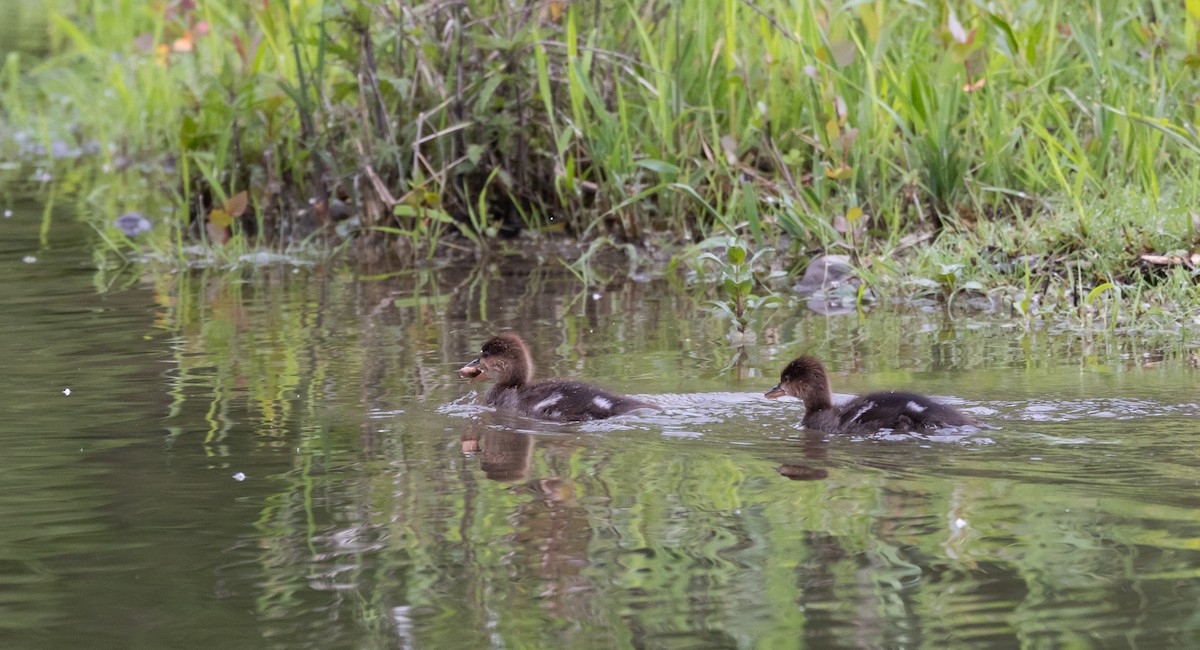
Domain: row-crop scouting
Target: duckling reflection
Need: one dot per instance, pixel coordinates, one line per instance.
(802, 472)
(551, 531)
(813, 448)
(504, 455)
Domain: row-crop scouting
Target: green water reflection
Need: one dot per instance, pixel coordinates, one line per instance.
(380, 506)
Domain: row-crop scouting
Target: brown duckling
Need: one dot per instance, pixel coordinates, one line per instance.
(506, 359)
(806, 379)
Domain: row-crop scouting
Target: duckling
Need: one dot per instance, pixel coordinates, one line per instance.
(506, 359)
(805, 378)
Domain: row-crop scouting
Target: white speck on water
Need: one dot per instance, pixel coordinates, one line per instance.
(1035, 458)
(960, 523)
(596, 296)
(66, 391)
(239, 477)
(7, 214)
(29, 259)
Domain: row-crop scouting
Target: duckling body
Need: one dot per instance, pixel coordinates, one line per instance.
(806, 379)
(505, 358)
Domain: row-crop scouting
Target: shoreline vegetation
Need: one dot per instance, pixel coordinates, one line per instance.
(1040, 157)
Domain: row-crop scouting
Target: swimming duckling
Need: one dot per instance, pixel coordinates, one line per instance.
(805, 378)
(506, 359)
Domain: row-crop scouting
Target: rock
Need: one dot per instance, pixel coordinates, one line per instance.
(826, 274)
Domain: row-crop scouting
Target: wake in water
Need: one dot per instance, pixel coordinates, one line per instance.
(750, 417)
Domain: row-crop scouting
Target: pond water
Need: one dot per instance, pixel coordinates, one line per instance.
(285, 458)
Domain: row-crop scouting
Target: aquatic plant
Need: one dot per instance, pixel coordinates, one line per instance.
(737, 283)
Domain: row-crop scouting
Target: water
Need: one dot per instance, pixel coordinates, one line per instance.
(285, 458)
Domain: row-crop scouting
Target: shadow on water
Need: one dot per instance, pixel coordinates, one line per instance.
(285, 457)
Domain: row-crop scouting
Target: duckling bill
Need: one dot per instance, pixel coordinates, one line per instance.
(505, 358)
(806, 379)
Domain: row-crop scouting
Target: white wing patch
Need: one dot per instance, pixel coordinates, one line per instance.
(914, 407)
(602, 403)
(865, 407)
(548, 402)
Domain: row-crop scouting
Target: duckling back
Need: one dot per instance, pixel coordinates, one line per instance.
(563, 401)
(895, 410)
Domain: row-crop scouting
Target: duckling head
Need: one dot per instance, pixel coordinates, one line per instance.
(805, 378)
(503, 357)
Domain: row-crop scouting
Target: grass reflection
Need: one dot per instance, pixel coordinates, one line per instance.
(405, 514)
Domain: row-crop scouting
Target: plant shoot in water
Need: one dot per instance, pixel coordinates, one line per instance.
(737, 284)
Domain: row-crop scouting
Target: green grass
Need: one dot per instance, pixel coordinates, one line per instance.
(1059, 129)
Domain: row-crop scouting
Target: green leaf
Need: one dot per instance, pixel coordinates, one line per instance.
(723, 309)
(1014, 48)
(438, 215)
(188, 129)
(475, 153)
(1095, 293)
(731, 288)
(658, 166)
(949, 271)
(745, 287)
(758, 302)
(483, 103)
(735, 254)
(760, 253)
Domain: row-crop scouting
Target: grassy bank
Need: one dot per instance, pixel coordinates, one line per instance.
(940, 144)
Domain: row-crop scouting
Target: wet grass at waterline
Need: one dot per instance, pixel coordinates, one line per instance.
(946, 150)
